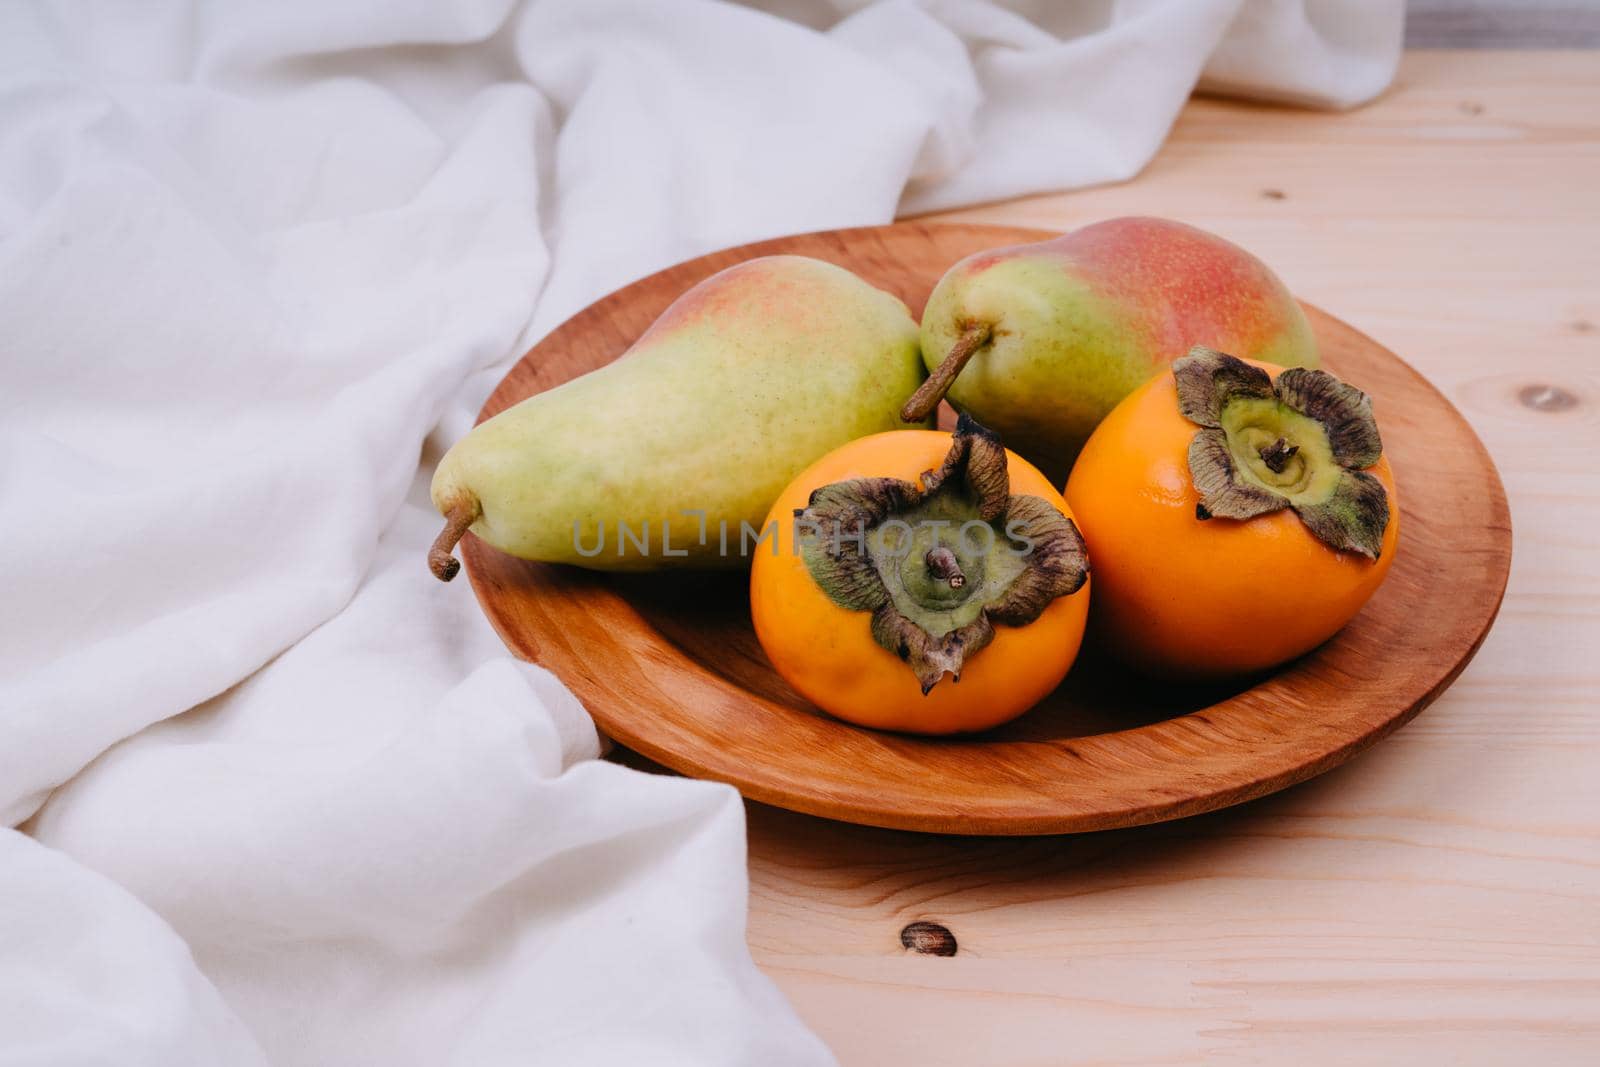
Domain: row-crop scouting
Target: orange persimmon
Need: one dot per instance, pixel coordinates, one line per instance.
(922, 582)
(1238, 516)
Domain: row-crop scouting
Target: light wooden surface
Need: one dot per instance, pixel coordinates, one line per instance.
(669, 665)
(1438, 899)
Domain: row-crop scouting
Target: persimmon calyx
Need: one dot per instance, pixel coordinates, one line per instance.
(1302, 442)
(939, 563)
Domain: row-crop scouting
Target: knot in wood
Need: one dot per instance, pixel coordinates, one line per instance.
(929, 939)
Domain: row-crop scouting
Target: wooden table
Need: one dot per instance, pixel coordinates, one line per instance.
(1438, 899)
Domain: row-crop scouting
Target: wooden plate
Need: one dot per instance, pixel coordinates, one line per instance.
(668, 664)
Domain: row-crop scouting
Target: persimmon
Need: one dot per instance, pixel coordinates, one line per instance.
(922, 582)
(1239, 515)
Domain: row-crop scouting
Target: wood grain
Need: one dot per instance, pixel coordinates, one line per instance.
(668, 664)
(1436, 900)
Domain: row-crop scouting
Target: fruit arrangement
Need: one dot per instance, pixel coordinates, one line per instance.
(1231, 500)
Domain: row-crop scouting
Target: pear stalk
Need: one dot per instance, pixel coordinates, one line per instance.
(462, 513)
(927, 397)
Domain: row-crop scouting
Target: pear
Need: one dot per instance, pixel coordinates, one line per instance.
(1040, 341)
(672, 455)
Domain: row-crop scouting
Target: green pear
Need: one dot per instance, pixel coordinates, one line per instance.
(1053, 335)
(672, 454)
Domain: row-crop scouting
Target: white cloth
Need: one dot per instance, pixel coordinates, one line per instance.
(250, 256)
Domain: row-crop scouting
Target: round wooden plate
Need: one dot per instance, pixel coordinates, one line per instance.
(668, 664)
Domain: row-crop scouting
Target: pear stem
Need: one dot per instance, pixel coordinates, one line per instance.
(926, 398)
(462, 513)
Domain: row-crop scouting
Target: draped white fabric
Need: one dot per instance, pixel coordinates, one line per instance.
(298, 804)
